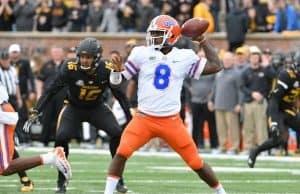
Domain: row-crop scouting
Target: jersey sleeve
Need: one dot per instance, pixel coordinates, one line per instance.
(196, 64)
(283, 83)
(132, 63)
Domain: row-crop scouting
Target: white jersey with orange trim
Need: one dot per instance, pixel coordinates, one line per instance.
(160, 77)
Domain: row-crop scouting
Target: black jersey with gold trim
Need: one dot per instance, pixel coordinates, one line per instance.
(83, 90)
(285, 94)
(287, 89)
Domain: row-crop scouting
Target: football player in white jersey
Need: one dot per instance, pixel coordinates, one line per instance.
(161, 69)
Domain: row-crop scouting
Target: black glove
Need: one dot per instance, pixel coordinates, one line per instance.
(275, 131)
(33, 117)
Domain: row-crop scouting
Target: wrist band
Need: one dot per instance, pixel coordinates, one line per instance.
(115, 78)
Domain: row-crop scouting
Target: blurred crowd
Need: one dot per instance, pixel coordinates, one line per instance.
(237, 17)
(236, 119)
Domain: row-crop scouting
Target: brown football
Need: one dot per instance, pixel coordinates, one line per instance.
(194, 27)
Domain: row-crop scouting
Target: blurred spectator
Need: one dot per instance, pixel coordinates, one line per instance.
(129, 45)
(288, 59)
(242, 58)
(230, 5)
(59, 16)
(36, 62)
(241, 63)
(236, 28)
(110, 21)
(71, 53)
(278, 61)
(202, 10)
(256, 84)
(95, 16)
(6, 15)
(76, 17)
(215, 7)
(286, 17)
(266, 57)
(43, 16)
(27, 87)
(185, 11)
(167, 8)
(45, 77)
(128, 17)
(271, 17)
(146, 13)
(258, 17)
(227, 102)
(24, 11)
(201, 91)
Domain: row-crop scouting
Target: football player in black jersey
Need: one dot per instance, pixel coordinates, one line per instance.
(86, 78)
(281, 109)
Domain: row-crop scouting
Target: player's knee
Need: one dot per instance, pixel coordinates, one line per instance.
(125, 151)
(195, 163)
(7, 171)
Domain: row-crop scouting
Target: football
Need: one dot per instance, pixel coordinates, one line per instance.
(194, 27)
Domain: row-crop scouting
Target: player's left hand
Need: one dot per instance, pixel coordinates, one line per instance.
(33, 117)
(117, 63)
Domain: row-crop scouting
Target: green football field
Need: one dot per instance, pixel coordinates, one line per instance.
(165, 173)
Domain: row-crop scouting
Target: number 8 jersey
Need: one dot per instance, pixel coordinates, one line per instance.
(160, 77)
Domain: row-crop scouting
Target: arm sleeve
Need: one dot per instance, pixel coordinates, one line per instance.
(124, 102)
(244, 88)
(9, 118)
(57, 84)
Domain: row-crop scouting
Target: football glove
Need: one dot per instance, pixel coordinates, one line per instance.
(33, 117)
(275, 131)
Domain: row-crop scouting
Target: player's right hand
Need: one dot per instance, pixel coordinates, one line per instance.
(117, 63)
(33, 117)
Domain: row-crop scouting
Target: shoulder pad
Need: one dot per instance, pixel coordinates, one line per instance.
(109, 65)
(291, 73)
